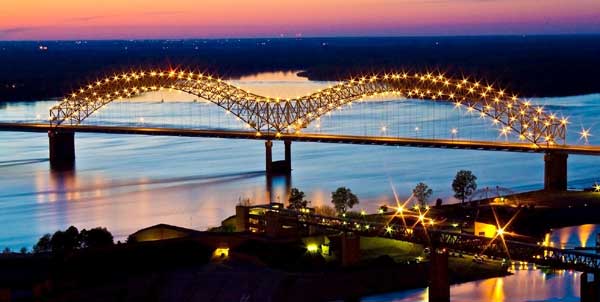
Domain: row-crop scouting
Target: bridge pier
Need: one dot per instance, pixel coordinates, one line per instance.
(62, 149)
(589, 290)
(555, 171)
(269, 157)
(280, 166)
(439, 283)
(288, 155)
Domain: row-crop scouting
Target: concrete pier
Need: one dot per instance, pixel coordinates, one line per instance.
(269, 157)
(62, 149)
(439, 283)
(555, 171)
(589, 287)
(279, 166)
(350, 249)
(288, 155)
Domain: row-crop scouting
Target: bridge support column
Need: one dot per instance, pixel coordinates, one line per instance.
(555, 171)
(269, 157)
(62, 149)
(288, 155)
(589, 290)
(439, 284)
(350, 249)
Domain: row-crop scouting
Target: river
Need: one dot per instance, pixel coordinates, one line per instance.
(130, 182)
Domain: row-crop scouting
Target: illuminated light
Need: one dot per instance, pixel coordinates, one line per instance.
(454, 225)
(500, 232)
(454, 131)
(363, 212)
(221, 252)
(422, 217)
(312, 248)
(141, 119)
(389, 229)
(258, 133)
(585, 134)
(400, 209)
(383, 128)
(596, 187)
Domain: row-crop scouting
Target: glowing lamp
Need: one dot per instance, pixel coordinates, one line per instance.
(312, 248)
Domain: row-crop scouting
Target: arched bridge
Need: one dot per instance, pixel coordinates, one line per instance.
(530, 127)
(265, 114)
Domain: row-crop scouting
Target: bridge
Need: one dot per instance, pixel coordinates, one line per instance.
(413, 226)
(531, 127)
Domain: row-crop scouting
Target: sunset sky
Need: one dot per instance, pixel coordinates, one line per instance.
(138, 19)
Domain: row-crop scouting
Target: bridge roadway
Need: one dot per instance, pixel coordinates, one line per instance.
(312, 137)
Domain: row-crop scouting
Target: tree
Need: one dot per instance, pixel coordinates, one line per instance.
(422, 192)
(65, 241)
(343, 199)
(296, 200)
(6, 250)
(23, 250)
(438, 203)
(464, 184)
(43, 245)
(96, 237)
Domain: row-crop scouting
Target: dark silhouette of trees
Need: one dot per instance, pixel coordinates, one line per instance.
(296, 200)
(65, 241)
(43, 245)
(464, 184)
(71, 239)
(96, 237)
(343, 199)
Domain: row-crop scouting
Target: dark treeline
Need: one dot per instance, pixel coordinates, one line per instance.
(528, 65)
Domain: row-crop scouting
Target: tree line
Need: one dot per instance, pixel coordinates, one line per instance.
(463, 185)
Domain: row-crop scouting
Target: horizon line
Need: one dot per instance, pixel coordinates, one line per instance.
(524, 35)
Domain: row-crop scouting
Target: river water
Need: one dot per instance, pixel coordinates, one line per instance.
(130, 182)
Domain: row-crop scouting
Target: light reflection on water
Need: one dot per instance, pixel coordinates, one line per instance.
(129, 182)
(524, 285)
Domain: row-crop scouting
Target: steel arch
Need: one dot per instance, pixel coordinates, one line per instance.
(528, 122)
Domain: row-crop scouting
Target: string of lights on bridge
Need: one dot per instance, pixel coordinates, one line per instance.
(291, 115)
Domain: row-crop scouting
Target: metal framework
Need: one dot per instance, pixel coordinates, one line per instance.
(430, 236)
(263, 114)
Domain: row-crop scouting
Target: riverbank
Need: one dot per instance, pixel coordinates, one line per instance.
(185, 263)
(535, 213)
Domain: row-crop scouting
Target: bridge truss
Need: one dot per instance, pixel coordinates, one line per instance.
(275, 115)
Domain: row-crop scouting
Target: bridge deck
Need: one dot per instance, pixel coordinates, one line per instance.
(313, 137)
